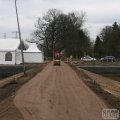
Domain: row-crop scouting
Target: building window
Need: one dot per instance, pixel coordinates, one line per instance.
(8, 56)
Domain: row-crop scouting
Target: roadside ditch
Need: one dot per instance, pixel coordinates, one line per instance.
(95, 87)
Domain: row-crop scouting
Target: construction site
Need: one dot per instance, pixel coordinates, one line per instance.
(52, 92)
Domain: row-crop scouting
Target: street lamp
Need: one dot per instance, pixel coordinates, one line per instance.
(53, 49)
(20, 37)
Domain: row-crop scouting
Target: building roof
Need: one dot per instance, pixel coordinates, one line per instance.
(9, 44)
(32, 48)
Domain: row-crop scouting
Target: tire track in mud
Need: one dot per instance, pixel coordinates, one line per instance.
(57, 93)
(8, 110)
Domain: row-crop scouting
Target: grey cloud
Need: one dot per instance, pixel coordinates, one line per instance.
(99, 13)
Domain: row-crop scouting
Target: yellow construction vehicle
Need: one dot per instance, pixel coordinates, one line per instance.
(56, 58)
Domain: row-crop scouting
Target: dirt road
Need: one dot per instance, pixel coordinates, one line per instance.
(57, 93)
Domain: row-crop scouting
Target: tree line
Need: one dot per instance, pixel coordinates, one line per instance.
(108, 41)
(62, 32)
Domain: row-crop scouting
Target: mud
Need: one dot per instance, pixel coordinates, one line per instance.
(11, 88)
(56, 93)
(107, 97)
(8, 110)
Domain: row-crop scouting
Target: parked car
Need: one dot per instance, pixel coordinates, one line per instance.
(108, 59)
(88, 59)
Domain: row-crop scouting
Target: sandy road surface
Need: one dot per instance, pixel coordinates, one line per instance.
(57, 93)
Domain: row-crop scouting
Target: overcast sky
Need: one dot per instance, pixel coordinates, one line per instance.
(99, 13)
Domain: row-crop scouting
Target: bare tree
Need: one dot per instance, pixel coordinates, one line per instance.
(61, 32)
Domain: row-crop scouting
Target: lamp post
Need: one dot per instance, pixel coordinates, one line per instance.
(21, 47)
(53, 49)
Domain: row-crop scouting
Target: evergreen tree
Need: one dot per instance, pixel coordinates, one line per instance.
(98, 50)
(110, 36)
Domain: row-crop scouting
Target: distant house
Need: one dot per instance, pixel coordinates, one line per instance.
(10, 54)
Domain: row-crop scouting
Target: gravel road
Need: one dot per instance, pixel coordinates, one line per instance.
(57, 93)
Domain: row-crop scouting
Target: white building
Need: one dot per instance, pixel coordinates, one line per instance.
(10, 54)
(33, 54)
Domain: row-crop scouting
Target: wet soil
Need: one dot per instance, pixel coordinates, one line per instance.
(12, 87)
(8, 110)
(107, 97)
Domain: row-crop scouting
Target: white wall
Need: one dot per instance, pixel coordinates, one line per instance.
(2, 58)
(18, 57)
(28, 58)
(33, 57)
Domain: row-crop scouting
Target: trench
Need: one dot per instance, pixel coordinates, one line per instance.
(110, 72)
(7, 71)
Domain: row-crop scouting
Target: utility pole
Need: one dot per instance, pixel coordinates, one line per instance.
(53, 49)
(20, 37)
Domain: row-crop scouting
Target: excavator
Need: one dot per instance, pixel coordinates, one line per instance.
(56, 58)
